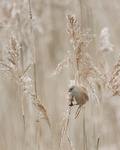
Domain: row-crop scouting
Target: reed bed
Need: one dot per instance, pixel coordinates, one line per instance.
(47, 46)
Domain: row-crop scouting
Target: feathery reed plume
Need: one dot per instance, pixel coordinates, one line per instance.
(60, 66)
(79, 38)
(114, 78)
(79, 41)
(85, 68)
(73, 28)
(106, 45)
(12, 64)
(11, 61)
(105, 48)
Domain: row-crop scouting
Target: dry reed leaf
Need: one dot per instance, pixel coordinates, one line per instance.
(41, 108)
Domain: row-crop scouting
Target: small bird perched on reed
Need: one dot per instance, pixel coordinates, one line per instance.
(78, 94)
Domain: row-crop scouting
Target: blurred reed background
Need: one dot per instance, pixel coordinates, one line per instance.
(39, 28)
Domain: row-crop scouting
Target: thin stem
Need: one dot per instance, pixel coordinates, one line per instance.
(33, 49)
(64, 128)
(23, 112)
(84, 133)
(35, 81)
(98, 142)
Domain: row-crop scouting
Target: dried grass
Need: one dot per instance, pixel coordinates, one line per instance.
(41, 108)
(36, 44)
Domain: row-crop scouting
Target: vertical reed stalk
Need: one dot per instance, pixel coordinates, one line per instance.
(86, 22)
(34, 66)
(84, 132)
(33, 50)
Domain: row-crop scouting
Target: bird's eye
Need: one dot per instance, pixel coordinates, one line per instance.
(70, 89)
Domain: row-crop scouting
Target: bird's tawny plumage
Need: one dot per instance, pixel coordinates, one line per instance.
(79, 94)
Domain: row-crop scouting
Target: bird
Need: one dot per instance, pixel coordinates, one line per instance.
(79, 94)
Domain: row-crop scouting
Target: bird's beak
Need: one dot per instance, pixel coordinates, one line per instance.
(68, 91)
